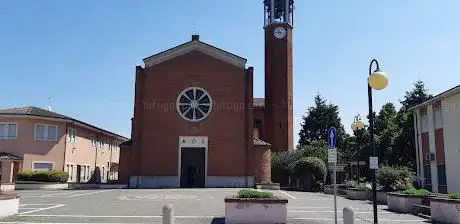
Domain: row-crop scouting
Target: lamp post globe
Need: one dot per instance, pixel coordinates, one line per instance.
(378, 80)
(354, 126)
(359, 124)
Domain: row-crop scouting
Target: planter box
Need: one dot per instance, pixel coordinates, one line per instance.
(274, 186)
(7, 187)
(382, 197)
(445, 210)
(34, 185)
(402, 202)
(357, 194)
(255, 210)
(9, 205)
(329, 189)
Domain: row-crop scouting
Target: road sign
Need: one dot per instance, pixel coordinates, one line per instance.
(332, 155)
(374, 163)
(331, 137)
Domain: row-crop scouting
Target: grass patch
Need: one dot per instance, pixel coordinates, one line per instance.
(417, 192)
(245, 193)
(454, 196)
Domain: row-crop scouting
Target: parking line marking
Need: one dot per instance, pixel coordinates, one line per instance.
(42, 209)
(120, 216)
(51, 195)
(306, 211)
(383, 220)
(92, 192)
(287, 194)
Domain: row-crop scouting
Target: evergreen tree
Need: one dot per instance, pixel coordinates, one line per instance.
(318, 120)
(386, 131)
(404, 150)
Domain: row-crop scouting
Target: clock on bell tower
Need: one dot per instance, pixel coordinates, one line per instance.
(278, 25)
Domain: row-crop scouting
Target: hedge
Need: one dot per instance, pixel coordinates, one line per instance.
(395, 178)
(54, 176)
(245, 193)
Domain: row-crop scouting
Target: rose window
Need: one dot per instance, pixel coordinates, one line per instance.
(194, 104)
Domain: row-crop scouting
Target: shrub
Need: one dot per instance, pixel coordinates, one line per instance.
(395, 178)
(25, 176)
(311, 172)
(245, 193)
(417, 192)
(44, 176)
(351, 184)
(454, 196)
(311, 165)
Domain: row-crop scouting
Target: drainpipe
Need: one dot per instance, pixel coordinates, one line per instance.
(246, 125)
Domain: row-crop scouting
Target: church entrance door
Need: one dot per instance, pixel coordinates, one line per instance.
(192, 165)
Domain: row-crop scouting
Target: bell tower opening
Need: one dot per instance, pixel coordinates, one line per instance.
(278, 11)
(278, 25)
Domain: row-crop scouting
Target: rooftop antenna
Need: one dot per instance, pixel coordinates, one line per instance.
(196, 27)
(49, 104)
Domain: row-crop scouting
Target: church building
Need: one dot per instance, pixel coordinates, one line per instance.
(196, 122)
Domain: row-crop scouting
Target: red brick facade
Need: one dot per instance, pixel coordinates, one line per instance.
(278, 89)
(157, 125)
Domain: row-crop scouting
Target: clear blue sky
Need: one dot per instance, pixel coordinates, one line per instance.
(83, 53)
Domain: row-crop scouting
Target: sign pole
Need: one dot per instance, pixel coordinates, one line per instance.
(335, 192)
(332, 157)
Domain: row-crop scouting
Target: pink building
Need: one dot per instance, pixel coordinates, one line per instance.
(32, 139)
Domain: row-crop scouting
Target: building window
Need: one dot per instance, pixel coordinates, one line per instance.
(437, 117)
(257, 124)
(427, 174)
(442, 180)
(8, 130)
(46, 132)
(194, 104)
(101, 143)
(72, 135)
(93, 141)
(424, 123)
(42, 166)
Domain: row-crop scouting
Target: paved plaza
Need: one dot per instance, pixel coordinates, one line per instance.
(190, 206)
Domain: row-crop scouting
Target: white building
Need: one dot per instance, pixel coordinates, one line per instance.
(437, 131)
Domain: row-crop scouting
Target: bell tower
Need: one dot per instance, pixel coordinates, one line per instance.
(278, 25)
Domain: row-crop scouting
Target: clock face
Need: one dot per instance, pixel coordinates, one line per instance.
(279, 32)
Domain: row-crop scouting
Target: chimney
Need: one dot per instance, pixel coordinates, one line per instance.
(195, 37)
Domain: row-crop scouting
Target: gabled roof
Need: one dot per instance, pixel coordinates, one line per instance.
(256, 141)
(195, 44)
(438, 97)
(258, 102)
(8, 156)
(32, 111)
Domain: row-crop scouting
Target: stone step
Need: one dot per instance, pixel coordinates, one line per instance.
(421, 209)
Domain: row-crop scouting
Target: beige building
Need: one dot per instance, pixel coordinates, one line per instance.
(437, 131)
(32, 138)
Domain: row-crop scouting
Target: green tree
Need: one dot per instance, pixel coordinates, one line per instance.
(404, 151)
(386, 130)
(317, 149)
(319, 118)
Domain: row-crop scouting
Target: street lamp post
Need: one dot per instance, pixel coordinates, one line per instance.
(376, 80)
(355, 126)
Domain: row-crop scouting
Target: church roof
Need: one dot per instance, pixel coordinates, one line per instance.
(258, 102)
(195, 44)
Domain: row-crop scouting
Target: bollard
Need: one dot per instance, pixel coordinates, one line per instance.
(348, 215)
(168, 214)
